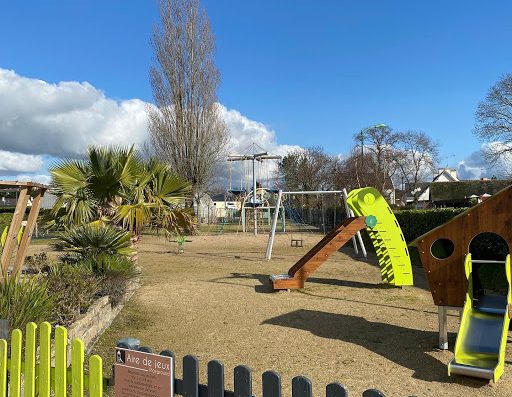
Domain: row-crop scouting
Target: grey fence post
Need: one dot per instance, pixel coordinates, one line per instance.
(215, 379)
(301, 387)
(373, 393)
(336, 390)
(190, 376)
(243, 381)
(271, 382)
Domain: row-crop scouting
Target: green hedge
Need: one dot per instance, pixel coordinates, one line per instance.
(5, 220)
(414, 223)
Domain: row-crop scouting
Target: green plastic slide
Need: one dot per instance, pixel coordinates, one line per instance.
(482, 337)
(385, 233)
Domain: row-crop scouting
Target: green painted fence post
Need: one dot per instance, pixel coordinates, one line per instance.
(44, 359)
(3, 367)
(15, 370)
(61, 348)
(77, 368)
(30, 360)
(95, 376)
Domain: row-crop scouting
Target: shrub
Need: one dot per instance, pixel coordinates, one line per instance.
(414, 223)
(115, 272)
(38, 263)
(5, 220)
(23, 300)
(91, 240)
(74, 289)
(108, 265)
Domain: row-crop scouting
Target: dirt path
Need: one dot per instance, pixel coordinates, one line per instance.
(213, 302)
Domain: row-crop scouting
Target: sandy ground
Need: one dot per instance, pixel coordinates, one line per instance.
(213, 301)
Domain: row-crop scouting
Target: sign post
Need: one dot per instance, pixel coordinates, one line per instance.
(140, 374)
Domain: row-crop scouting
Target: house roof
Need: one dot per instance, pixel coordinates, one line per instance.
(460, 191)
(446, 174)
(462, 214)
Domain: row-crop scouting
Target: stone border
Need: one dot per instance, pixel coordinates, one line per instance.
(91, 325)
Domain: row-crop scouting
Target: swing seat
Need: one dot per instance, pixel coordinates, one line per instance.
(296, 242)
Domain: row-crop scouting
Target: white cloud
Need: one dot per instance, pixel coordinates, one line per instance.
(62, 119)
(244, 132)
(475, 166)
(19, 162)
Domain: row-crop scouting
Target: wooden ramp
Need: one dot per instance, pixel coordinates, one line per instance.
(332, 242)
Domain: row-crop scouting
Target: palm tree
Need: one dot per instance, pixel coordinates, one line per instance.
(116, 186)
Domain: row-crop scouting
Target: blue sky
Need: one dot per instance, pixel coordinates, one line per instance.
(312, 72)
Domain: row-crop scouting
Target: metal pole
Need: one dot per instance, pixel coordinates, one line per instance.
(347, 210)
(443, 329)
(272, 234)
(255, 219)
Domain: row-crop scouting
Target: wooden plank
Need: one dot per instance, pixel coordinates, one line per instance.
(3, 367)
(14, 228)
(271, 384)
(336, 390)
(243, 381)
(190, 376)
(301, 387)
(45, 330)
(29, 387)
(215, 379)
(29, 229)
(61, 353)
(23, 184)
(77, 368)
(373, 393)
(317, 255)
(95, 376)
(15, 367)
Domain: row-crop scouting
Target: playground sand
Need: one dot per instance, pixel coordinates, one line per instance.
(213, 301)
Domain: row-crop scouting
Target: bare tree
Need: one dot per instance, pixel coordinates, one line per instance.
(186, 127)
(494, 120)
(379, 167)
(416, 158)
(306, 169)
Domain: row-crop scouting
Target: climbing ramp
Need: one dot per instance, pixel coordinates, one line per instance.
(482, 337)
(316, 256)
(375, 215)
(386, 235)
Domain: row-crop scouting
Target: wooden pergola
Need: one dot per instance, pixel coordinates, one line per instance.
(26, 190)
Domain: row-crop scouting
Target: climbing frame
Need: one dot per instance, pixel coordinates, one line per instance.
(26, 190)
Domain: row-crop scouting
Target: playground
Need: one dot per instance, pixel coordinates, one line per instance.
(214, 301)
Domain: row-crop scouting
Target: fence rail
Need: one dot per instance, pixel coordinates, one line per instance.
(190, 386)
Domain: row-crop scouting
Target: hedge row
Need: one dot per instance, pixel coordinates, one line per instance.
(414, 223)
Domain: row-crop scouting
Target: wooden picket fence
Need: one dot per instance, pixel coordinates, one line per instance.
(190, 386)
(40, 377)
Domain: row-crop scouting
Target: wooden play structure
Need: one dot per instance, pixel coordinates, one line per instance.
(449, 275)
(374, 215)
(11, 256)
(446, 276)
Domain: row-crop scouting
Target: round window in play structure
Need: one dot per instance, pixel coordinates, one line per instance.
(442, 248)
(488, 246)
(489, 278)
